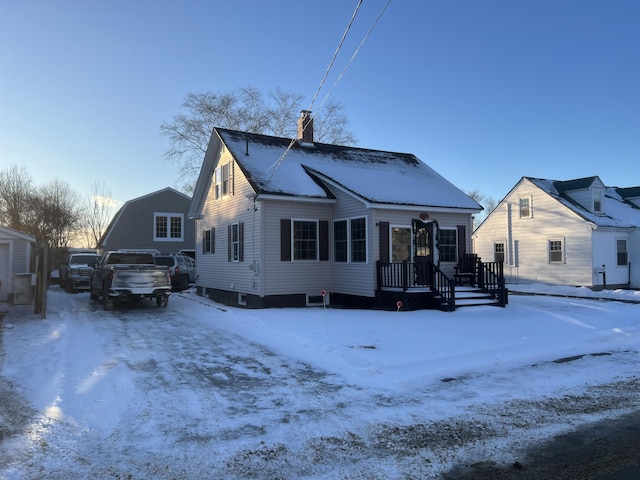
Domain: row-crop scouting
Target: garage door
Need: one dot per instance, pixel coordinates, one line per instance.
(5, 274)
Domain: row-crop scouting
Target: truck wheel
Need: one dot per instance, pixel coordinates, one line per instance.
(162, 301)
(93, 296)
(68, 287)
(107, 301)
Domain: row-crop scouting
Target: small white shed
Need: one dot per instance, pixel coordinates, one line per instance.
(15, 262)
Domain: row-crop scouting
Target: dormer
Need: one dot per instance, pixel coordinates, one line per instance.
(587, 192)
(630, 194)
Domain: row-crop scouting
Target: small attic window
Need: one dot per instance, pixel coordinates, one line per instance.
(597, 201)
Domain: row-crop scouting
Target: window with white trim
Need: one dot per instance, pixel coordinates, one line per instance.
(208, 240)
(498, 252)
(597, 201)
(350, 240)
(222, 181)
(621, 252)
(525, 207)
(305, 240)
(448, 245)
(556, 250)
(168, 227)
(235, 242)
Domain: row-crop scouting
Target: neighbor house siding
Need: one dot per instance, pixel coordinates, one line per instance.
(214, 270)
(634, 258)
(134, 226)
(605, 253)
(293, 277)
(527, 249)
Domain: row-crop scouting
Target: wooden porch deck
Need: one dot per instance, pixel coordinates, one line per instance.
(424, 285)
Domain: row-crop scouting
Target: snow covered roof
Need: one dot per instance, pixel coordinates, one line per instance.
(378, 177)
(617, 211)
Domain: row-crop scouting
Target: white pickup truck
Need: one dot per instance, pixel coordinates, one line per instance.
(124, 276)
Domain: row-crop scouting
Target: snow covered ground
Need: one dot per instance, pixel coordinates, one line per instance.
(201, 390)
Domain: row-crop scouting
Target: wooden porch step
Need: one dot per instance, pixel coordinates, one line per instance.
(472, 297)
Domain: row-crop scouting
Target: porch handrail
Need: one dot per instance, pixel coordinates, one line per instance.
(491, 280)
(445, 287)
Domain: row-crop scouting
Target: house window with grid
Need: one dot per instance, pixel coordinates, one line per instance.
(621, 250)
(597, 201)
(208, 239)
(556, 252)
(222, 181)
(448, 245)
(525, 207)
(358, 232)
(168, 227)
(498, 252)
(235, 242)
(305, 240)
(340, 241)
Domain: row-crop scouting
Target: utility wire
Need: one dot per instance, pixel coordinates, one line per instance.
(355, 54)
(278, 162)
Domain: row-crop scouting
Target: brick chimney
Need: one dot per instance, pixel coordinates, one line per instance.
(305, 127)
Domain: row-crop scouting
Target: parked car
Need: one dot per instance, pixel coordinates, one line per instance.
(75, 271)
(182, 269)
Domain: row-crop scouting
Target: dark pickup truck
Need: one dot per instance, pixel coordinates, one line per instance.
(128, 276)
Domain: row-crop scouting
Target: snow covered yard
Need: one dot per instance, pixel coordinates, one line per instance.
(199, 390)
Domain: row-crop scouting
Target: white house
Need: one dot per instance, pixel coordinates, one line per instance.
(574, 232)
(284, 222)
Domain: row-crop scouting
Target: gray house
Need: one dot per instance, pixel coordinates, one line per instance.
(572, 232)
(157, 221)
(16, 256)
(284, 222)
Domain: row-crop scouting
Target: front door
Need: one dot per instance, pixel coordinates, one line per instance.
(422, 251)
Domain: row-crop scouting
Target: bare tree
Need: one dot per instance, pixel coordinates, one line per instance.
(247, 110)
(96, 214)
(488, 203)
(55, 213)
(16, 191)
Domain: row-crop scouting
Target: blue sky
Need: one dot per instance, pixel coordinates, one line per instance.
(485, 92)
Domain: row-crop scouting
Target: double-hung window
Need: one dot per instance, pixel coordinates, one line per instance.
(168, 227)
(556, 251)
(621, 251)
(525, 207)
(350, 240)
(448, 243)
(498, 252)
(235, 242)
(222, 181)
(208, 240)
(305, 240)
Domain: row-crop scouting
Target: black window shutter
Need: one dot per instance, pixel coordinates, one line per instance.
(241, 242)
(213, 240)
(285, 240)
(383, 233)
(324, 240)
(462, 241)
(229, 242)
(204, 241)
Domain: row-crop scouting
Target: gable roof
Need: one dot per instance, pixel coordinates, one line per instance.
(576, 184)
(617, 211)
(121, 210)
(16, 233)
(375, 176)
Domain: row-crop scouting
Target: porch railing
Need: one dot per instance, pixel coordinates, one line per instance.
(491, 279)
(405, 276)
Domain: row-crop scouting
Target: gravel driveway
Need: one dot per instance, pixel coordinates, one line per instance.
(194, 401)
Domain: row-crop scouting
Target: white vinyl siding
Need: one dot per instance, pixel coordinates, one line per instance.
(527, 242)
(214, 270)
